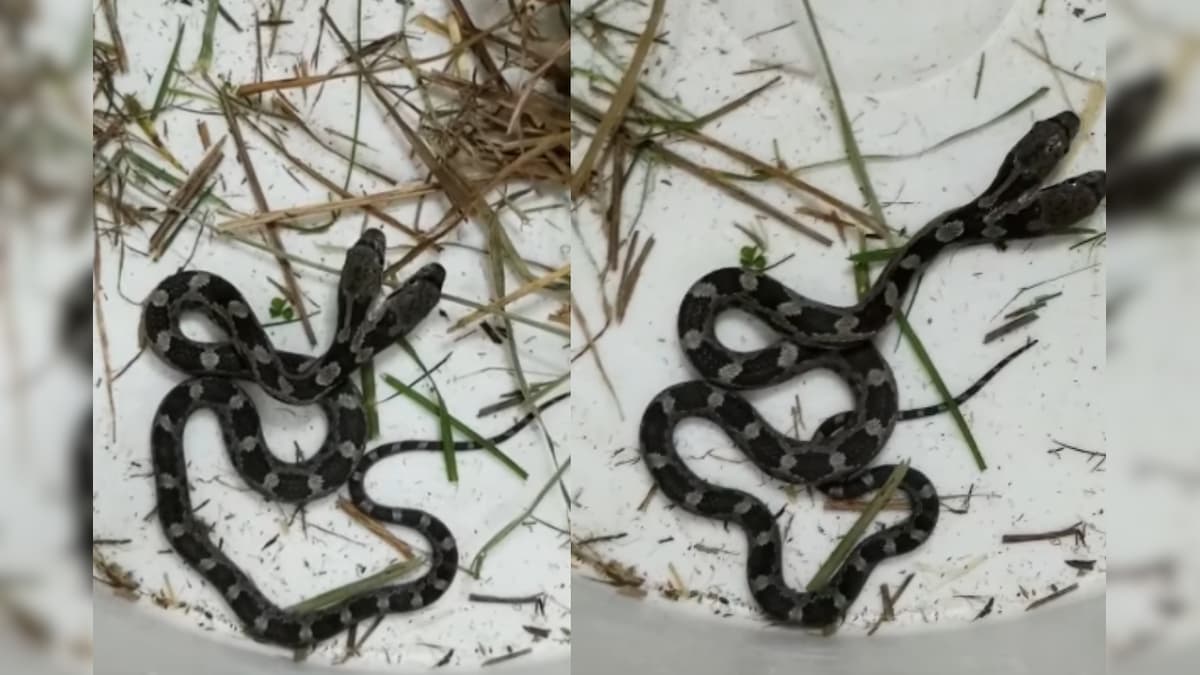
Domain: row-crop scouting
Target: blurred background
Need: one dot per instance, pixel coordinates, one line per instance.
(45, 329)
(1153, 319)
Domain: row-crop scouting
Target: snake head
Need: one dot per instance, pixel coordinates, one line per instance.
(1053, 209)
(1072, 200)
(362, 272)
(415, 298)
(1040, 150)
(1032, 159)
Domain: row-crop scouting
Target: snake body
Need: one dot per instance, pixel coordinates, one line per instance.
(814, 335)
(363, 331)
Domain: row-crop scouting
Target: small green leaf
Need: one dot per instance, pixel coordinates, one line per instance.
(751, 257)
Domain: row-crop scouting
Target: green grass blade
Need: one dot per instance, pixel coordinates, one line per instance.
(859, 168)
(842, 550)
(456, 423)
(446, 434)
(161, 98)
(204, 59)
(477, 562)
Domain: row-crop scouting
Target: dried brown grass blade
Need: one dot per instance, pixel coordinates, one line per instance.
(620, 102)
(184, 196)
(281, 216)
(530, 287)
(269, 231)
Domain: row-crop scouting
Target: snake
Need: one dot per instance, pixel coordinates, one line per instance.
(365, 328)
(813, 335)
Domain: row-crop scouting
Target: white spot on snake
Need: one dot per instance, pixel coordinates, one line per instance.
(762, 538)
(837, 460)
(347, 448)
(238, 309)
(285, 386)
(868, 479)
(788, 355)
(248, 444)
(347, 401)
(743, 507)
(926, 492)
(260, 624)
(316, 483)
(692, 339)
(873, 427)
(198, 281)
(840, 601)
(306, 633)
(448, 544)
(846, 324)
(424, 521)
(716, 399)
(416, 600)
(209, 359)
(343, 335)
(752, 430)
(911, 262)
(176, 530)
(919, 535)
(328, 374)
(381, 603)
(357, 476)
(163, 341)
(233, 592)
(271, 481)
(791, 308)
(165, 422)
(891, 294)
(440, 583)
(729, 371)
(261, 354)
(207, 564)
(656, 460)
(237, 401)
(787, 462)
(877, 377)
(668, 404)
(889, 546)
(693, 498)
(749, 281)
(703, 290)
(994, 231)
(167, 482)
(948, 232)
(364, 355)
(195, 390)
(345, 616)
(159, 298)
(760, 582)
(396, 515)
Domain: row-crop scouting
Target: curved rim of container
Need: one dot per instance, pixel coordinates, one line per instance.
(130, 641)
(611, 633)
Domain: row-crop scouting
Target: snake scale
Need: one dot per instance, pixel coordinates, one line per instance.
(815, 335)
(364, 329)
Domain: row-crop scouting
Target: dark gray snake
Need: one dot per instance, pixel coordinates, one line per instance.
(814, 335)
(363, 331)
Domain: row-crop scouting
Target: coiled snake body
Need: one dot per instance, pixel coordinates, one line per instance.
(815, 335)
(363, 331)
